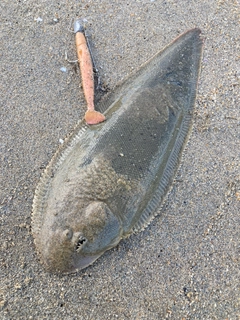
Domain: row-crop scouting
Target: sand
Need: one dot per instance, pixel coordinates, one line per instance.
(185, 265)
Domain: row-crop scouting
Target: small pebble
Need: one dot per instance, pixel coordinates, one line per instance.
(63, 69)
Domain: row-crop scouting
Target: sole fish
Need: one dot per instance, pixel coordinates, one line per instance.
(109, 180)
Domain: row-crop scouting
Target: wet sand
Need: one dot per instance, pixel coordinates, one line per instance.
(185, 265)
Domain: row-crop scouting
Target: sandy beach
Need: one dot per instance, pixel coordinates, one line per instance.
(185, 265)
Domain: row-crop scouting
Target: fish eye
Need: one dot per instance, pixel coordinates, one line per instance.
(80, 243)
(68, 234)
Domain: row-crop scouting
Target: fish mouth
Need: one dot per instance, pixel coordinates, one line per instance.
(81, 242)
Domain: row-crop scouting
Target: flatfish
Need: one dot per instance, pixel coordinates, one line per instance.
(109, 180)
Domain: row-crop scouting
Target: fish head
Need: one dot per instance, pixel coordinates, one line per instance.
(73, 243)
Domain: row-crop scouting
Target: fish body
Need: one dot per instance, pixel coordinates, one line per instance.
(108, 180)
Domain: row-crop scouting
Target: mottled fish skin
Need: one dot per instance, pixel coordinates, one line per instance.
(109, 181)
